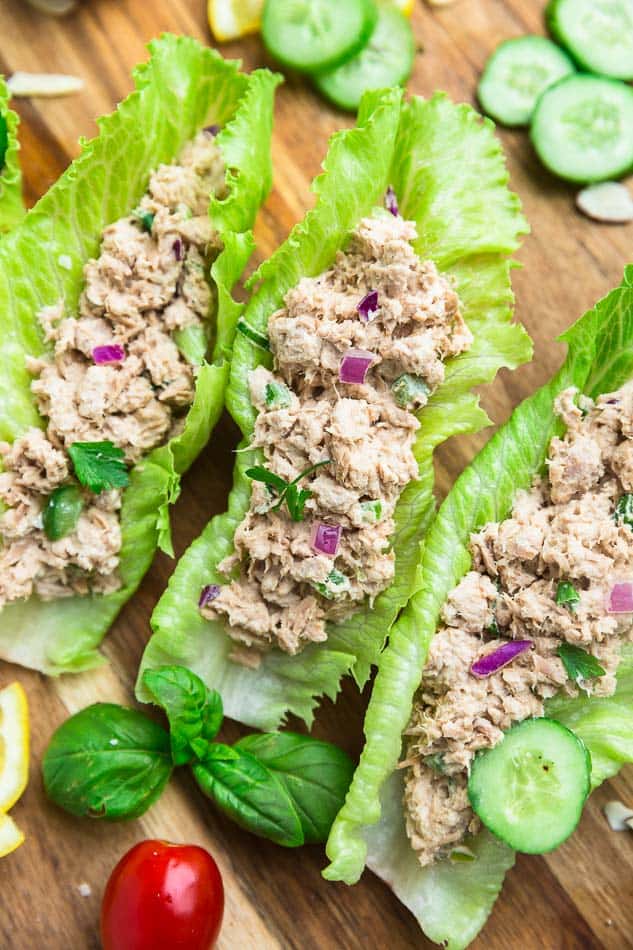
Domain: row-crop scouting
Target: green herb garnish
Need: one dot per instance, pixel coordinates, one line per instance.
(288, 492)
(567, 596)
(335, 585)
(111, 762)
(145, 218)
(410, 390)
(624, 510)
(372, 511)
(61, 512)
(493, 628)
(99, 466)
(579, 664)
(277, 396)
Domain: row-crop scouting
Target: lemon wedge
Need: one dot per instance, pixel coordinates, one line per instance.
(14, 745)
(10, 835)
(230, 19)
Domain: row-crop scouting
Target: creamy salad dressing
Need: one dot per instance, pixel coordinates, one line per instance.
(545, 574)
(147, 285)
(379, 300)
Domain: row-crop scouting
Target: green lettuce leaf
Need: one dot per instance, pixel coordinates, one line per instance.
(181, 88)
(11, 205)
(600, 359)
(449, 175)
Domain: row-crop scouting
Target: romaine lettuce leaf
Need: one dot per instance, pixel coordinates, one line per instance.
(600, 359)
(448, 171)
(11, 205)
(182, 87)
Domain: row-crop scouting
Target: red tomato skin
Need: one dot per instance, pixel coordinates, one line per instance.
(163, 896)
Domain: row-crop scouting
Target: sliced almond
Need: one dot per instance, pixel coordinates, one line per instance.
(609, 201)
(620, 817)
(43, 84)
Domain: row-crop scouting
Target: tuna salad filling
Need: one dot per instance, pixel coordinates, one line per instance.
(118, 377)
(554, 579)
(357, 350)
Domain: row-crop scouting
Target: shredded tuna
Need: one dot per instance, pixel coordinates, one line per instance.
(564, 529)
(148, 281)
(286, 591)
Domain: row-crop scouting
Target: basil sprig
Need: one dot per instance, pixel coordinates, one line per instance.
(110, 762)
(194, 712)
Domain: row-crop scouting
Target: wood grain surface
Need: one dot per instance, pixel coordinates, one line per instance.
(578, 897)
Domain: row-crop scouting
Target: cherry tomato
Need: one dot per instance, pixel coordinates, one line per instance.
(163, 896)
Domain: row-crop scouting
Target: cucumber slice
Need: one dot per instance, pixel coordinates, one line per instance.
(530, 789)
(386, 60)
(597, 33)
(310, 35)
(582, 128)
(516, 74)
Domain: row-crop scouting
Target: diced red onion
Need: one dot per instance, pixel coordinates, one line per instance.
(368, 306)
(110, 353)
(178, 248)
(506, 653)
(620, 599)
(213, 130)
(326, 538)
(354, 366)
(391, 202)
(208, 593)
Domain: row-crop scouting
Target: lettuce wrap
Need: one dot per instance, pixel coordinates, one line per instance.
(11, 205)
(451, 900)
(182, 88)
(449, 176)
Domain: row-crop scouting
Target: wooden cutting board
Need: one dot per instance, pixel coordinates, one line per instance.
(579, 897)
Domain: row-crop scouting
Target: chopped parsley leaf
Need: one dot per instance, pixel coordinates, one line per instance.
(99, 466)
(579, 664)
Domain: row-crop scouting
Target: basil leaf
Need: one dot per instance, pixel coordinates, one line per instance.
(579, 664)
(195, 713)
(250, 794)
(107, 762)
(315, 774)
